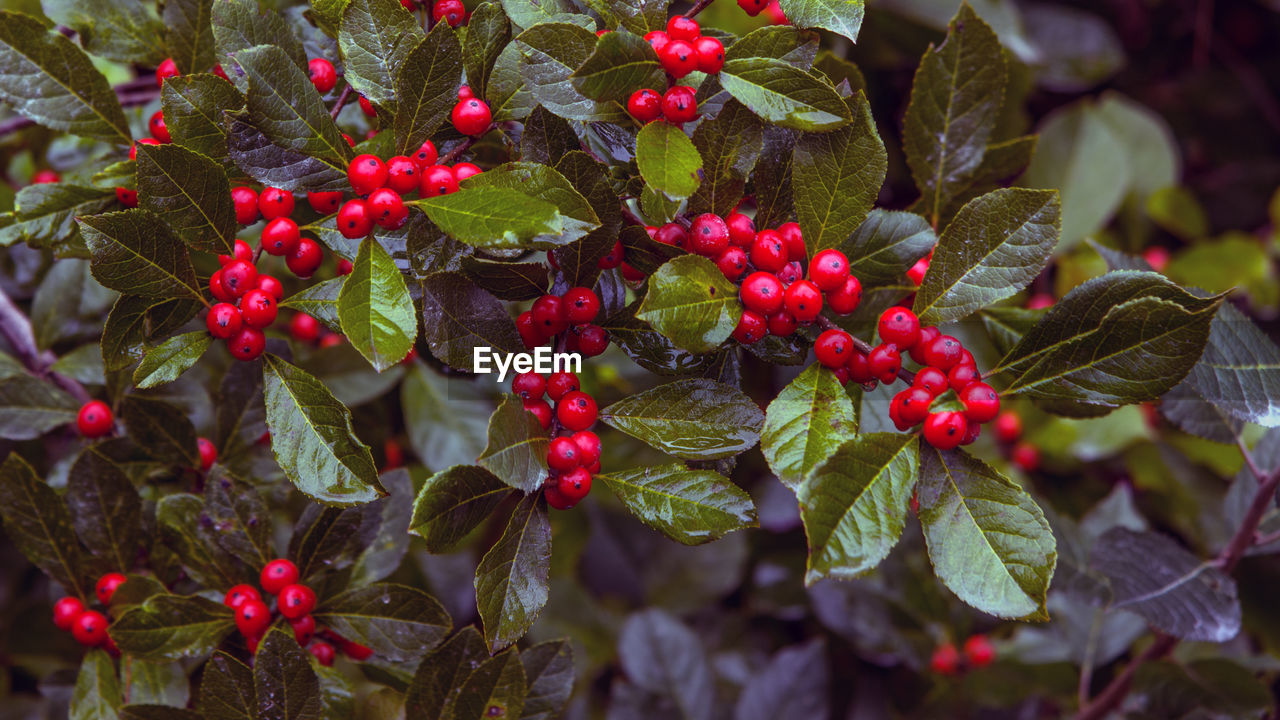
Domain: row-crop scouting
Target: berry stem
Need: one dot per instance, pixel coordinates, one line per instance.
(464, 146)
(341, 101)
(863, 347)
(697, 8)
(16, 328)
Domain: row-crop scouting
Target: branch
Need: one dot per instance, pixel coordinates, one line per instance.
(464, 146)
(1114, 694)
(16, 328)
(342, 100)
(697, 8)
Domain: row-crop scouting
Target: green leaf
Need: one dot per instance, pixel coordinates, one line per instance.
(313, 439)
(527, 13)
(804, 425)
(772, 177)
(548, 672)
(39, 524)
(375, 309)
(226, 689)
(44, 76)
(620, 64)
(376, 39)
(694, 419)
(795, 683)
(128, 31)
(240, 518)
(551, 52)
(854, 504)
(1239, 372)
(690, 301)
(391, 514)
(191, 543)
(96, 695)
(495, 217)
(577, 217)
(988, 540)
(45, 215)
(190, 193)
(517, 449)
(459, 317)
(508, 280)
(689, 506)
(286, 685)
(193, 112)
(495, 689)
(326, 539)
(30, 407)
(105, 509)
(445, 417)
(441, 673)
(133, 320)
(454, 502)
(167, 361)
(135, 253)
(836, 178)
(843, 17)
(400, 623)
(996, 246)
(1121, 338)
(189, 36)
(955, 101)
(663, 657)
(276, 166)
(508, 96)
(170, 627)
(242, 24)
(156, 690)
(320, 301)
(426, 86)
(512, 578)
(668, 159)
(782, 42)
(162, 428)
(729, 146)
(784, 95)
(546, 137)
(488, 32)
(886, 245)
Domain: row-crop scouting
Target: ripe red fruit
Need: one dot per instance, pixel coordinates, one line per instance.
(303, 629)
(95, 419)
(305, 258)
(884, 361)
(913, 406)
(465, 92)
(708, 235)
(271, 286)
(355, 219)
(753, 7)
(216, 288)
(945, 660)
(274, 203)
(762, 292)
(804, 300)
(943, 352)
(464, 170)
(645, 105)
(246, 201)
(471, 116)
(258, 309)
(387, 208)
(833, 348)
(657, 40)
(133, 149)
(829, 269)
(1040, 301)
(223, 320)
(782, 324)
(846, 298)
(322, 74)
(247, 344)
(127, 197)
(90, 628)
(529, 386)
(402, 174)
(917, 272)
(252, 618)
(296, 600)
(165, 70)
(157, 128)
(614, 258)
(344, 266)
(794, 238)
(65, 612)
(438, 180)
(239, 595)
(304, 328)
(1026, 456)
(107, 585)
(678, 58)
(768, 252)
(426, 155)
(1008, 427)
(451, 11)
(680, 105)
(945, 430)
(979, 651)
(732, 262)
(541, 410)
(680, 27)
(742, 231)
(588, 447)
(581, 305)
(529, 332)
(790, 274)
(927, 336)
(563, 454)
(962, 376)
(576, 410)
(280, 237)
(278, 574)
(672, 234)
(367, 107)
(933, 380)
(710, 54)
(238, 277)
(367, 173)
(43, 177)
(751, 328)
(860, 369)
(899, 326)
(574, 485)
(560, 384)
(323, 653)
(554, 498)
(240, 250)
(549, 315)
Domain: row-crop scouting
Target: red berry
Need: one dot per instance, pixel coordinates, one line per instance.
(672, 234)
(1040, 301)
(753, 7)
(165, 70)
(127, 197)
(322, 74)
(679, 58)
(402, 174)
(344, 267)
(208, 453)
(247, 344)
(387, 208)
(581, 305)
(932, 380)
(95, 419)
(528, 329)
(962, 376)
(732, 262)
(945, 430)
(884, 361)
(529, 386)
(367, 108)
(240, 250)
(914, 404)
(90, 628)
(223, 320)
(554, 498)
(657, 40)
(304, 328)
(271, 286)
(943, 352)
(560, 384)
(917, 272)
(354, 219)
(367, 173)
(133, 149)
(246, 201)
(829, 269)
(549, 315)
(238, 277)
(303, 629)
(438, 180)
(464, 170)
(790, 274)
(451, 11)
(563, 454)
(305, 258)
(323, 653)
(768, 252)
(804, 300)
(540, 410)
(280, 237)
(44, 177)
(742, 231)
(107, 585)
(219, 292)
(614, 258)
(253, 617)
(278, 574)
(426, 155)
(751, 328)
(588, 447)
(574, 485)
(710, 54)
(860, 369)
(296, 600)
(680, 27)
(465, 92)
(846, 298)
(239, 595)
(899, 326)
(1026, 456)
(258, 309)
(576, 410)
(645, 105)
(782, 324)
(275, 203)
(680, 105)
(762, 292)
(833, 348)
(927, 336)
(945, 660)
(708, 235)
(217, 70)
(158, 129)
(65, 612)
(1008, 427)
(979, 651)
(471, 116)
(794, 238)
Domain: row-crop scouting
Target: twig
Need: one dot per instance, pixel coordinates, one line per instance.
(16, 328)
(697, 8)
(342, 100)
(865, 348)
(1249, 460)
(1114, 693)
(464, 146)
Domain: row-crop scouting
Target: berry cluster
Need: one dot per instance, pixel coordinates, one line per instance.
(772, 8)
(451, 11)
(978, 652)
(249, 300)
(89, 627)
(1008, 430)
(310, 331)
(683, 48)
(573, 311)
(294, 602)
(572, 458)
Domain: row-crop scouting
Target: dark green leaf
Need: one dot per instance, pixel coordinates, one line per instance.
(242, 24)
(854, 504)
(886, 245)
(804, 425)
(158, 712)
(772, 178)
(1006, 325)
(326, 538)
(643, 252)
(313, 439)
(620, 64)
(1184, 407)
(730, 145)
(96, 695)
(128, 31)
(508, 280)
(30, 407)
(167, 361)
(169, 627)
(152, 687)
(375, 309)
(277, 166)
(546, 137)
(459, 317)
(426, 85)
(189, 36)
(782, 42)
(376, 39)
(194, 546)
(45, 215)
(44, 76)
(512, 579)
(577, 218)
(162, 428)
(517, 449)
(398, 622)
(454, 502)
(226, 690)
(548, 673)
(1002, 163)
(690, 301)
(694, 419)
(955, 100)
(784, 95)
(1239, 372)
(320, 301)
(1205, 687)
(508, 96)
(389, 545)
(689, 506)
(988, 540)
(997, 244)
(189, 193)
(240, 412)
(445, 417)
(495, 217)
(441, 673)
(105, 509)
(135, 253)
(240, 519)
(836, 178)
(285, 684)
(839, 16)
(838, 69)
(668, 159)
(652, 350)
(495, 689)
(38, 522)
(193, 112)
(488, 32)
(527, 13)
(663, 657)
(795, 684)
(551, 52)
